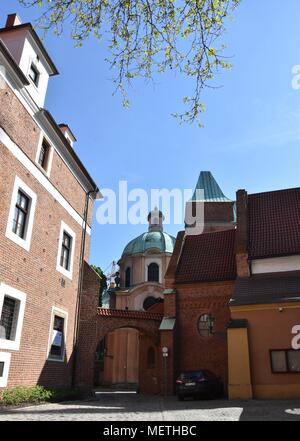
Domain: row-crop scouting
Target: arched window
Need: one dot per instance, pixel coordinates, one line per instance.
(153, 272)
(151, 357)
(206, 325)
(127, 278)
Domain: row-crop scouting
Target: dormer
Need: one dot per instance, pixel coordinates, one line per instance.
(29, 53)
(68, 134)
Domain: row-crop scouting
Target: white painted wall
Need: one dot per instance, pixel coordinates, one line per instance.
(24, 50)
(276, 264)
(29, 55)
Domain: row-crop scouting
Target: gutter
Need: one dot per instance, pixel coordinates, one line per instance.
(97, 195)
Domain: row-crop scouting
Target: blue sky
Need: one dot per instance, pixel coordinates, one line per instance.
(251, 137)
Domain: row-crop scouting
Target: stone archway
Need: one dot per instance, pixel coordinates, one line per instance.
(108, 322)
(96, 323)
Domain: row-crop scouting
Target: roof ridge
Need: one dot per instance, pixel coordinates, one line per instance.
(282, 190)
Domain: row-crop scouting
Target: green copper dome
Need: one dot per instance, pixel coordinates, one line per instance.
(152, 239)
(155, 238)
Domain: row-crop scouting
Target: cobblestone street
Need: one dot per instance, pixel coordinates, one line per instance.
(108, 406)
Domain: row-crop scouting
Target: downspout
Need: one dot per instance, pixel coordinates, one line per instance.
(80, 284)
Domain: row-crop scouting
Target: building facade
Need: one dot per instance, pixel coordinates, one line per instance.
(47, 198)
(140, 288)
(265, 308)
(199, 284)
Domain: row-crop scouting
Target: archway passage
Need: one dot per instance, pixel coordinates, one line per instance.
(114, 350)
(117, 358)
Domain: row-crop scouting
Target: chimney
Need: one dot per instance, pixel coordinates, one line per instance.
(67, 132)
(13, 20)
(242, 234)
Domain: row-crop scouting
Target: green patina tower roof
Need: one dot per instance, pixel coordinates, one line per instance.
(212, 191)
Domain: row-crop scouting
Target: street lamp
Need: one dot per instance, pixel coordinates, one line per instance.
(165, 354)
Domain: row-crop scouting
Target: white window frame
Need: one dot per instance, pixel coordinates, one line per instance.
(63, 314)
(14, 293)
(5, 358)
(68, 230)
(24, 243)
(46, 170)
(33, 62)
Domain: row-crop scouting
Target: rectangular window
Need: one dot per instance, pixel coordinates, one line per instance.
(57, 336)
(278, 361)
(21, 215)
(12, 307)
(66, 251)
(34, 74)
(285, 361)
(294, 360)
(4, 368)
(57, 346)
(44, 154)
(9, 318)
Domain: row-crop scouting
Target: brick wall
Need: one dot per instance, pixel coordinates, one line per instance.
(24, 132)
(93, 328)
(35, 272)
(192, 350)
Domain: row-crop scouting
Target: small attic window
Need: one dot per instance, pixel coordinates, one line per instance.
(34, 74)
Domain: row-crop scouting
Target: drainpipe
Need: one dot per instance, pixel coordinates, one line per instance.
(80, 283)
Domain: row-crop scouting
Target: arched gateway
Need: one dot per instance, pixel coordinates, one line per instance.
(138, 335)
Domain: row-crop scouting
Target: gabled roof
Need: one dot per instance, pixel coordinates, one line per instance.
(207, 257)
(37, 40)
(274, 223)
(18, 72)
(212, 191)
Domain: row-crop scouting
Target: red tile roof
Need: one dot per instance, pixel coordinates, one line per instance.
(144, 315)
(207, 257)
(274, 223)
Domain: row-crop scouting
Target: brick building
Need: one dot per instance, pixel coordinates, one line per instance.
(47, 198)
(265, 307)
(199, 284)
(233, 294)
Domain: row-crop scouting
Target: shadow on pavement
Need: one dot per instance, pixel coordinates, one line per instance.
(115, 402)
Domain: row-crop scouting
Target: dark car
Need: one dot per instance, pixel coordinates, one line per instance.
(199, 384)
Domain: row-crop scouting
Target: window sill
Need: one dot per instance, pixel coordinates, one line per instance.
(9, 344)
(45, 172)
(18, 240)
(64, 272)
(59, 360)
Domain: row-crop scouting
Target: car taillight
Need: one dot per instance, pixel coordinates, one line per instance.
(200, 380)
(179, 382)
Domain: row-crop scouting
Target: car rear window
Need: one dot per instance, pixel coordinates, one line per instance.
(195, 375)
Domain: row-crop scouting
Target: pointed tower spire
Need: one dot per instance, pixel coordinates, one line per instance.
(217, 209)
(212, 191)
